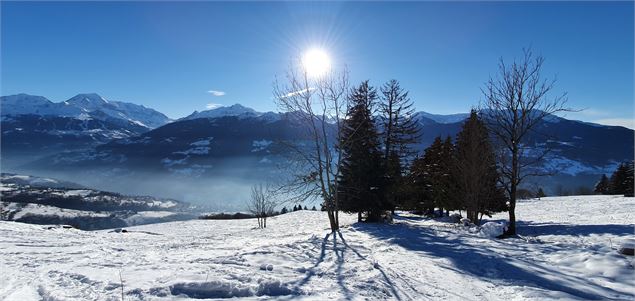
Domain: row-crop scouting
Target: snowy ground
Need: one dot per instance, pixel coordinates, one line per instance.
(567, 251)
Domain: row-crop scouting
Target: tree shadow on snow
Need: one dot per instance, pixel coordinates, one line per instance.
(340, 248)
(479, 261)
(537, 229)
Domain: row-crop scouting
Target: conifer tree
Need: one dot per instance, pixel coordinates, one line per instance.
(602, 186)
(399, 132)
(476, 172)
(540, 193)
(432, 173)
(417, 188)
(619, 180)
(361, 179)
(630, 181)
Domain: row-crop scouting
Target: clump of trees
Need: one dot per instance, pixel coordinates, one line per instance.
(460, 176)
(621, 181)
(358, 155)
(375, 150)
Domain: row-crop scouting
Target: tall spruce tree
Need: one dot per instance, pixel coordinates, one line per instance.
(362, 175)
(399, 132)
(446, 184)
(435, 171)
(602, 186)
(630, 180)
(475, 171)
(619, 180)
(417, 188)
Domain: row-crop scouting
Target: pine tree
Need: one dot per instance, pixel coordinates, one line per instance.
(399, 132)
(476, 172)
(432, 173)
(313, 209)
(540, 193)
(619, 180)
(284, 210)
(417, 188)
(629, 180)
(361, 179)
(602, 186)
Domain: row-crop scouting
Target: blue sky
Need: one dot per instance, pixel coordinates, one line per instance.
(168, 55)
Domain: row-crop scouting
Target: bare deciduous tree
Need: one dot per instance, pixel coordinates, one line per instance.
(317, 105)
(261, 204)
(515, 103)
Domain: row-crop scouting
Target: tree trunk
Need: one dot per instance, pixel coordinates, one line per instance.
(332, 220)
(511, 230)
(359, 217)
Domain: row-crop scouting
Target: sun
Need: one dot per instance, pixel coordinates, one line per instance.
(316, 62)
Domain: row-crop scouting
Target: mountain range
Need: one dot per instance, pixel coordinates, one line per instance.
(107, 143)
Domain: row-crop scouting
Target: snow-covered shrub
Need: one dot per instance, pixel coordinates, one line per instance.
(492, 229)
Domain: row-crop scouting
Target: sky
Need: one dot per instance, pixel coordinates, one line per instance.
(180, 57)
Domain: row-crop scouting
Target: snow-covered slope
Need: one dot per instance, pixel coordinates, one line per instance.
(450, 118)
(82, 106)
(236, 110)
(49, 201)
(567, 251)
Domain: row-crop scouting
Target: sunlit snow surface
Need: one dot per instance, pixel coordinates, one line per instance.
(567, 250)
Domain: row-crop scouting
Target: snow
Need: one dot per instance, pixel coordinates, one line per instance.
(236, 110)
(260, 145)
(492, 229)
(567, 249)
(82, 106)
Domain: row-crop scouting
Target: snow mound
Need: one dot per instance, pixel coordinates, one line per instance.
(228, 289)
(492, 229)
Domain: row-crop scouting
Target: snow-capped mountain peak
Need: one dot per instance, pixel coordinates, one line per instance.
(89, 101)
(82, 106)
(233, 110)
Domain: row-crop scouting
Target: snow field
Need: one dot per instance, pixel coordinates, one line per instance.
(567, 250)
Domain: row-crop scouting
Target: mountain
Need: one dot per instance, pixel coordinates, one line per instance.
(236, 110)
(443, 119)
(50, 201)
(33, 126)
(240, 143)
(199, 156)
(82, 106)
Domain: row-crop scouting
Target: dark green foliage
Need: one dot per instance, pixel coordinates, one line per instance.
(540, 193)
(475, 172)
(630, 181)
(284, 210)
(400, 131)
(603, 186)
(362, 175)
(430, 182)
(621, 181)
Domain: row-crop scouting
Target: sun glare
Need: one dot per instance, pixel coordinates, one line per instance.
(316, 62)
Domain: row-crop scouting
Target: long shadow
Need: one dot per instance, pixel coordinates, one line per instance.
(531, 228)
(478, 261)
(386, 278)
(311, 272)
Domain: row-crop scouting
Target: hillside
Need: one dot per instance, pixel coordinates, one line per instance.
(567, 251)
(39, 200)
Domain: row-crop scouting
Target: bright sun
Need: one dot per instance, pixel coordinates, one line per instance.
(316, 62)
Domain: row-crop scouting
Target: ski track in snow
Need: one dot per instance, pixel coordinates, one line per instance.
(566, 251)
